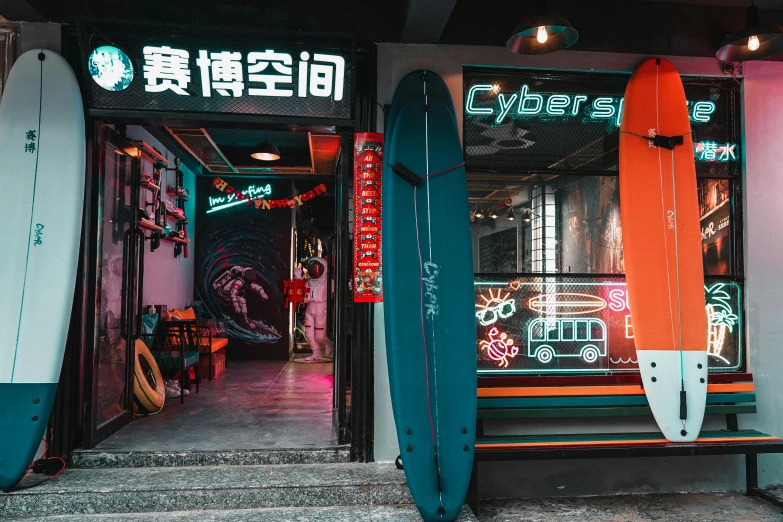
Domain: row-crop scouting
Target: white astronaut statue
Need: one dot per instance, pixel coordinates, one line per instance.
(315, 316)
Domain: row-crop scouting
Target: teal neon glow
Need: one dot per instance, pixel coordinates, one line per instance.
(252, 193)
(505, 106)
(557, 104)
(723, 317)
(578, 99)
(702, 110)
(524, 97)
(711, 151)
(603, 108)
(469, 108)
(560, 104)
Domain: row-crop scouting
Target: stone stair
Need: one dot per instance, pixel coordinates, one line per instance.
(156, 486)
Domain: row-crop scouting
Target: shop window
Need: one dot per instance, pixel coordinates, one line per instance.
(572, 224)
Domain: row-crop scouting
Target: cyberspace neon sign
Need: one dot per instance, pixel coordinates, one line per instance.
(528, 104)
(230, 73)
(232, 199)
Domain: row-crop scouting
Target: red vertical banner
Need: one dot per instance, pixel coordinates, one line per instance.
(368, 174)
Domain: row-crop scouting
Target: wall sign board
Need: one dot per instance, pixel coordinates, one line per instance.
(189, 70)
(534, 120)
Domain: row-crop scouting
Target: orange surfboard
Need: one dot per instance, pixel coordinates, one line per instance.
(662, 248)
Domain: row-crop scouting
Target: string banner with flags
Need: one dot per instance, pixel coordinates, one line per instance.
(367, 228)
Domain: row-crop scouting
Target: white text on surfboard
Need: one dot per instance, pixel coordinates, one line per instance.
(431, 308)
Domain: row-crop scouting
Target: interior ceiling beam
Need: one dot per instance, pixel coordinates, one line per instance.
(425, 20)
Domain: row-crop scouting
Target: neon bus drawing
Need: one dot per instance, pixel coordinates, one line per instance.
(568, 337)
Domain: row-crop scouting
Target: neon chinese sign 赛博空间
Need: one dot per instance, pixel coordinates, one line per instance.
(224, 73)
(551, 334)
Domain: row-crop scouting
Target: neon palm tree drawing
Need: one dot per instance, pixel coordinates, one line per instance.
(720, 317)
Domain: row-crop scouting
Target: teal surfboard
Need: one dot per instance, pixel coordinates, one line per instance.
(428, 295)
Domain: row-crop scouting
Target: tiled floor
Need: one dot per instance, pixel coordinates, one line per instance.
(253, 405)
(686, 507)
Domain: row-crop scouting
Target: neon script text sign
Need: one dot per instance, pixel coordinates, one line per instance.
(485, 101)
(230, 73)
(258, 201)
(236, 197)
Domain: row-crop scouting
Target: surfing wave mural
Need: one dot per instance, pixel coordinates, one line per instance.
(241, 261)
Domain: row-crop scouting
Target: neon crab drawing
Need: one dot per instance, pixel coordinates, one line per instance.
(499, 347)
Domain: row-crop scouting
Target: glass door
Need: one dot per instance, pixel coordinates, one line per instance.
(119, 272)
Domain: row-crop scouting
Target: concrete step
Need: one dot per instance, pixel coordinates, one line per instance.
(148, 490)
(400, 513)
(97, 459)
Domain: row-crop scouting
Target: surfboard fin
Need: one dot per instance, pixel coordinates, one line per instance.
(683, 404)
(406, 174)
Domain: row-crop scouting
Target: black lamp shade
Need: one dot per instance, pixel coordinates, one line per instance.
(735, 46)
(560, 35)
(266, 151)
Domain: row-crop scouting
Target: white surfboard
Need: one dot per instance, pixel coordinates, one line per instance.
(42, 162)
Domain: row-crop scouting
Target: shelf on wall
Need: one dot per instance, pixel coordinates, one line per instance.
(149, 225)
(174, 194)
(151, 152)
(150, 186)
(176, 239)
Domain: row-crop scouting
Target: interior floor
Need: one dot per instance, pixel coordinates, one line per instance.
(253, 405)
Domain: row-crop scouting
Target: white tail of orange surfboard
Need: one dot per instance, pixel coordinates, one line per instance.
(662, 248)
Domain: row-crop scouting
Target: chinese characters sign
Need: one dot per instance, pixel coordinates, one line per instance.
(283, 75)
(368, 172)
(564, 325)
(223, 73)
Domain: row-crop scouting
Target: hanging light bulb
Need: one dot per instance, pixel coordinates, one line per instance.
(479, 213)
(510, 215)
(755, 41)
(493, 214)
(541, 35)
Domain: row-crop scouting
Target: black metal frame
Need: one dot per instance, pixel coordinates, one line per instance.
(69, 428)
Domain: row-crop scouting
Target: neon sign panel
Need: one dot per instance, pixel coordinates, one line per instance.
(526, 103)
(227, 73)
(229, 200)
(585, 329)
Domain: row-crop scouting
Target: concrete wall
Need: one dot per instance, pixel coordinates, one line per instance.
(764, 250)
(168, 280)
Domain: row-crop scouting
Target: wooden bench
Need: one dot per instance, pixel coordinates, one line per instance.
(615, 396)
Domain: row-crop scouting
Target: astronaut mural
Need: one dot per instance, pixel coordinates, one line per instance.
(242, 258)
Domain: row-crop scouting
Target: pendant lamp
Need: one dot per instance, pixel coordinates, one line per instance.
(754, 42)
(542, 34)
(265, 151)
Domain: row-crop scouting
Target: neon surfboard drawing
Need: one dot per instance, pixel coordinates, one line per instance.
(42, 160)
(662, 248)
(429, 304)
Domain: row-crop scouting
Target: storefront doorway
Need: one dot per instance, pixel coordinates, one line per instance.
(200, 252)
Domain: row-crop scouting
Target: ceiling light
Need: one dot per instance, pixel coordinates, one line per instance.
(754, 42)
(493, 214)
(542, 34)
(479, 213)
(510, 215)
(265, 151)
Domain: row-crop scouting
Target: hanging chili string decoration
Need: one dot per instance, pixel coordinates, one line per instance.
(268, 204)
